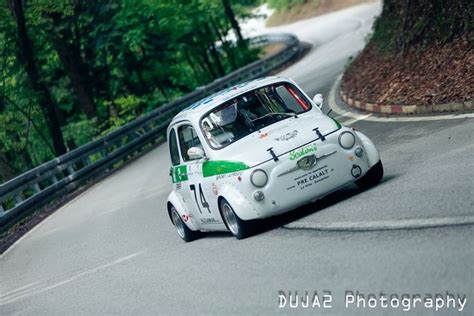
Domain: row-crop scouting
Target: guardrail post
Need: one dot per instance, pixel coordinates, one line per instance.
(36, 187)
(86, 161)
(18, 199)
(70, 169)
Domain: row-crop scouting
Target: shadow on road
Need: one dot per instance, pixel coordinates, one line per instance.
(268, 224)
(309, 209)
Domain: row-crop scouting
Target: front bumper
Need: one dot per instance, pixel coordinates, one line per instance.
(290, 187)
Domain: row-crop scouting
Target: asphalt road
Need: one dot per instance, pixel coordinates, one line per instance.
(112, 250)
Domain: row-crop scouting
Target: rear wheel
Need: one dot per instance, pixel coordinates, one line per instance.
(238, 227)
(372, 177)
(181, 228)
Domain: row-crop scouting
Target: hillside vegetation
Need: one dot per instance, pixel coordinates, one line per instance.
(420, 52)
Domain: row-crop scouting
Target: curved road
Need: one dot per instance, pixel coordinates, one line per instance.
(112, 250)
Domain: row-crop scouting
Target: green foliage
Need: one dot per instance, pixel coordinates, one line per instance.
(105, 63)
(421, 23)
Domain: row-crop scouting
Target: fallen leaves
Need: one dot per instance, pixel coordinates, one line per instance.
(435, 75)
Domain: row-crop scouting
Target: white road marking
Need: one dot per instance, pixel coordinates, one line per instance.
(415, 223)
(20, 289)
(12, 298)
(357, 117)
(352, 121)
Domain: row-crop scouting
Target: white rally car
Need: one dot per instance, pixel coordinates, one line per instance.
(256, 150)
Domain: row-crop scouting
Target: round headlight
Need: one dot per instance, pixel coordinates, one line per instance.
(347, 140)
(259, 178)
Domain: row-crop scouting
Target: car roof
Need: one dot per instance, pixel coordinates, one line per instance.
(199, 108)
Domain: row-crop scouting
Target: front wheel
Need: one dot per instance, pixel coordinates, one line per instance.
(238, 227)
(372, 177)
(183, 231)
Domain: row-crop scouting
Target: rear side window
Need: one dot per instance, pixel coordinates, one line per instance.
(174, 153)
(187, 139)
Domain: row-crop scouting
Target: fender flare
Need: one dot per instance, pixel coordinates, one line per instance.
(239, 202)
(373, 155)
(175, 200)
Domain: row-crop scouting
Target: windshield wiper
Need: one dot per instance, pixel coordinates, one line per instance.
(276, 113)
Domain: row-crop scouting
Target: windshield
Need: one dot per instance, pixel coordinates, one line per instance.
(252, 111)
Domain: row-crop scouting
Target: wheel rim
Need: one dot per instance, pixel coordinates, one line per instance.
(230, 218)
(178, 223)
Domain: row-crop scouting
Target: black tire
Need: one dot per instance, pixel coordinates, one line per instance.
(181, 228)
(237, 226)
(372, 177)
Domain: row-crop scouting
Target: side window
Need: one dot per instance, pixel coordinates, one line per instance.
(187, 139)
(173, 148)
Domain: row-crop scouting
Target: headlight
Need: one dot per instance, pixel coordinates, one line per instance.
(347, 140)
(259, 178)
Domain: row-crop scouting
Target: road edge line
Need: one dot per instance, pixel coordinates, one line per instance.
(403, 224)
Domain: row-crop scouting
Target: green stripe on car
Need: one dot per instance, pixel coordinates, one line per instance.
(209, 169)
(214, 168)
(337, 123)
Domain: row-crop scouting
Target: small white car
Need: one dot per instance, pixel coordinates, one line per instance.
(256, 150)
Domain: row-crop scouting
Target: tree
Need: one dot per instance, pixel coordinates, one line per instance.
(45, 100)
(406, 23)
(233, 21)
(69, 52)
(65, 62)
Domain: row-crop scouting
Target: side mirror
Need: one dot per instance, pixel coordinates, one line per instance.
(196, 153)
(318, 100)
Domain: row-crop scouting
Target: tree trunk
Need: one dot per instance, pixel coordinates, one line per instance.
(7, 170)
(44, 96)
(76, 70)
(215, 54)
(233, 21)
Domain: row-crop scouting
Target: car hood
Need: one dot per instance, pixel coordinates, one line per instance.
(282, 137)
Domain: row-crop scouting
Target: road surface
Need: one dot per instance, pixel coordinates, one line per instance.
(112, 250)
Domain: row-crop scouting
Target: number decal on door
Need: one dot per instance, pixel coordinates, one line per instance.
(201, 197)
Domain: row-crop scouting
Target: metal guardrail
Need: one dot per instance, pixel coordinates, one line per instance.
(21, 195)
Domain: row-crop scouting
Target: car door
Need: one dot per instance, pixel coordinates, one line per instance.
(197, 193)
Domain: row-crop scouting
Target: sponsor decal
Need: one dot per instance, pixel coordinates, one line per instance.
(298, 153)
(209, 220)
(179, 174)
(287, 136)
(215, 189)
(263, 135)
(311, 178)
(185, 217)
